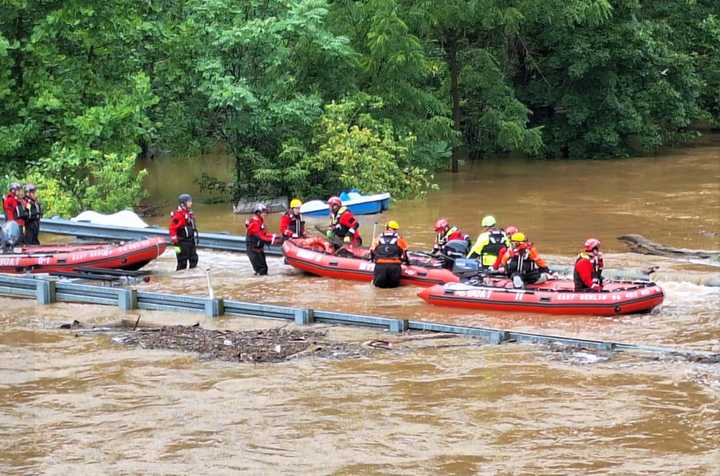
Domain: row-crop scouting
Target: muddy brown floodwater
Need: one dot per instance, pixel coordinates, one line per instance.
(82, 404)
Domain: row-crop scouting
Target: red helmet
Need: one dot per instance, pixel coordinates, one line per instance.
(334, 201)
(511, 230)
(441, 224)
(591, 244)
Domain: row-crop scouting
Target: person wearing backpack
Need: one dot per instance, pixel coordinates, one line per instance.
(490, 244)
(388, 252)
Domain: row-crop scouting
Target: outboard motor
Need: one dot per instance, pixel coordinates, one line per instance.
(466, 267)
(454, 250)
(9, 236)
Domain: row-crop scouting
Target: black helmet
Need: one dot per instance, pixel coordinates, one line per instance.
(260, 208)
(30, 187)
(14, 186)
(184, 198)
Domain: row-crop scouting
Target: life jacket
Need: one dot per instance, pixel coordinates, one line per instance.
(596, 270)
(14, 209)
(496, 242)
(35, 211)
(8, 204)
(183, 225)
(443, 238)
(488, 247)
(295, 225)
(520, 262)
(344, 223)
(257, 235)
(388, 249)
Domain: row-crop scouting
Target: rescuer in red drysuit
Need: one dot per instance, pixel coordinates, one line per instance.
(588, 267)
(256, 239)
(343, 224)
(183, 233)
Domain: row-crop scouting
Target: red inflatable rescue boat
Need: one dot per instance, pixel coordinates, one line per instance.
(553, 297)
(131, 255)
(314, 255)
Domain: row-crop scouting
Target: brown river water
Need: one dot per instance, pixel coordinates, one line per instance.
(83, 404)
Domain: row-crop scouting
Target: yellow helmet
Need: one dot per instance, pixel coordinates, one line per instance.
(295, 203)
(393, 225)
(489, 221)
(518, 237)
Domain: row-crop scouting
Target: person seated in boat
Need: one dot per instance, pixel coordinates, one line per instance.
(450, 242)
(589, 267)
(509, 231)
(291, 223)
(523, 263)
(344, 227)
(256, 239)
(14, 208)
(184, 233)
(490, 243)
(33, 215)
(388, 252)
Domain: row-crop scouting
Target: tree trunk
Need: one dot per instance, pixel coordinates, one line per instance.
(640, 244)
(454, 67)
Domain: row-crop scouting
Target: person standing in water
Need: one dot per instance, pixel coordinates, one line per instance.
(256, 239)
(184, 233)
(388, 252)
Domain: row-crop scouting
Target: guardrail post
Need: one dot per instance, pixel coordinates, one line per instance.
(214, 307)
(45, 291)
(498, 337)
(127, 299)
(399, 325)
(303, 317)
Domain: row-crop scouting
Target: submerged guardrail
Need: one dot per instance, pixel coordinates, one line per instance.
(92, 231)
(46, 290)
(236, 243)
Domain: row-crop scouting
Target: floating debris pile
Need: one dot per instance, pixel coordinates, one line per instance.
(259, 345)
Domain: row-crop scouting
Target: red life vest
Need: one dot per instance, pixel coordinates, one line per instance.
(292, 226)
(183, 226)
(14, 209)
(588, 271)
(257, 236)
(344, 223)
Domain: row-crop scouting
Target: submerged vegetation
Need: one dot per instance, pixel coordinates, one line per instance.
(310, 96)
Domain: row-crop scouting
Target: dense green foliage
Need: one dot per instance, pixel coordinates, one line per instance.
(311, 96)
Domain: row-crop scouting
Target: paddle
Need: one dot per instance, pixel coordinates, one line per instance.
(334, 240)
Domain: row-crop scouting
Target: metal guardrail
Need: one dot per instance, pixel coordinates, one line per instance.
(91, 231)
(49, 290)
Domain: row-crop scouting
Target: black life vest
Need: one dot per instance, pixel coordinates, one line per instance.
(189, 231)
(35, 211)
(342, 226)
(388, 250)
(496, 242)
(297, 224)
(521, 263)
